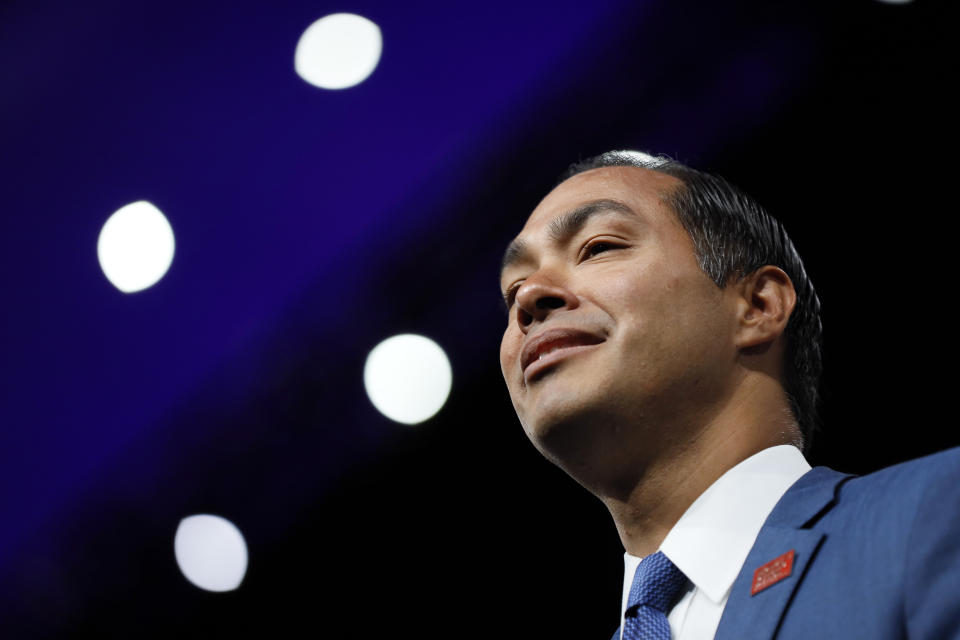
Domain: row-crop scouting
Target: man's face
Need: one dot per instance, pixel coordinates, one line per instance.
(612, 323)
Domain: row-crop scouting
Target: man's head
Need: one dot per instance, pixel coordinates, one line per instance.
(640, 267)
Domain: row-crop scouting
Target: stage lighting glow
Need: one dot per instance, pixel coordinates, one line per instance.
(210, 552)
(338, 51)
(135, 247)
(895, 1)
(408, 378)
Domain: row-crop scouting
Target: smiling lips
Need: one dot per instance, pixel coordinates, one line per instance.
(551, 346)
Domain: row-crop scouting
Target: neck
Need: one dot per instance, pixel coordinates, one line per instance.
(647, 498)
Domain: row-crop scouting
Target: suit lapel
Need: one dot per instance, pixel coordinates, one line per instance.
(759, 615)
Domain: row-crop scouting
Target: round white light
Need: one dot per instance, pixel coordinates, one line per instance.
(408, 378)
(338, 51)
(210, 552)
(135, 247)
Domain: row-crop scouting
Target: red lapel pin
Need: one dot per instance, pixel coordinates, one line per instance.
(772, 572)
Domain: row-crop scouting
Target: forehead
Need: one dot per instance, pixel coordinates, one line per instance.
(642, 190)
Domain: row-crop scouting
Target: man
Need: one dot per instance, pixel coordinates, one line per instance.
(663, 348)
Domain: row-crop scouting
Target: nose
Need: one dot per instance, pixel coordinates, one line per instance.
(538, 297)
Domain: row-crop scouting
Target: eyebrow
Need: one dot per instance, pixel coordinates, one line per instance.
(565, 227)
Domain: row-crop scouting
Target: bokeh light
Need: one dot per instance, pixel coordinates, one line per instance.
(338, 51)
(135, 247)
(210, 552)
(408, 378)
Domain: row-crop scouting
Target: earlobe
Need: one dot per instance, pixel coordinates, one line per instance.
(767, 300)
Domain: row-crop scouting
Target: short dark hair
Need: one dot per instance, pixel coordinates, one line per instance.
(733, 236)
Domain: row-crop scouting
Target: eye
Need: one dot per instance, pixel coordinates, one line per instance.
(510, 294)
(595, 248)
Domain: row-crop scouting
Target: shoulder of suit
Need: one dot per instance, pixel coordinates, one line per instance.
(908, 481)
(936, 464)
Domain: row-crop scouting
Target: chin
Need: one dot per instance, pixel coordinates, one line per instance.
(565, 432)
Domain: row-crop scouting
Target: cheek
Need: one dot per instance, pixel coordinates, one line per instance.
(644, 290)
(662, 307)
(509, 346)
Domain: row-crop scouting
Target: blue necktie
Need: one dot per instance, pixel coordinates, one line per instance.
(655, 589)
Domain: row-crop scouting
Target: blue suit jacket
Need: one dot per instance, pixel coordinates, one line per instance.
(875, 557)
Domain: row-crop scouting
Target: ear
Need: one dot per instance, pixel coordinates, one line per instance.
(767, 299)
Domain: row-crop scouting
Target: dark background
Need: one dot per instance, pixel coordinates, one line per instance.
(312, 224)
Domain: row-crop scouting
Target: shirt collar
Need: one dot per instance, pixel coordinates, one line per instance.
(711, 540)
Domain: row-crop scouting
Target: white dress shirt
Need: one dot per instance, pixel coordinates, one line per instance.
(711, 540)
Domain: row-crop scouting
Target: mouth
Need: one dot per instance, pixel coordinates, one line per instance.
(551, 347)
